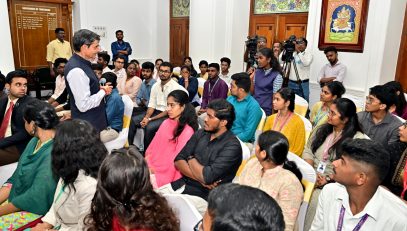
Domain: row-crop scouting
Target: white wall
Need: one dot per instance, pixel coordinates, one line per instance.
(377, 64)
(6, 50)
(145, 24)
(218, 29)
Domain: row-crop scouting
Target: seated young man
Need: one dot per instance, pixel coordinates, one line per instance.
(377, 122)
(247, 109)
(211, 157)
(59, 66)
(357, 200)
(13, 136)
(114, 110)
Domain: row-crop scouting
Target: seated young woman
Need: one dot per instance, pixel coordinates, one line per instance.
(125, 199)
(76, 157)
(286, 121)
(400, 108)
(131, 84)
(324, 145)
(28, 193)
(171, 137)
(329, 92)
(275, 175)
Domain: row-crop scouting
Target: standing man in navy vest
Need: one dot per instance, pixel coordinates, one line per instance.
(85, 93)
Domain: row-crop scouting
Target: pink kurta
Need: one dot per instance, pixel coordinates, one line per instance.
(162, 151)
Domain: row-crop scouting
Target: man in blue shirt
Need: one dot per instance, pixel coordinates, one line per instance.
(121, 47)
(143, 95)
(114, 110)
(247, 110)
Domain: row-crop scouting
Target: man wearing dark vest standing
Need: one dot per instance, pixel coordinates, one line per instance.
(85, 93)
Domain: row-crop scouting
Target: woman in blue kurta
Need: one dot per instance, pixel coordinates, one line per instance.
(29, 191)
(267, 79)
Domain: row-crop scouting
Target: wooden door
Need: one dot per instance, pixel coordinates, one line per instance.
(401, 71)
(179, 31)
(277, 27)
(32, 26)
(179, 40)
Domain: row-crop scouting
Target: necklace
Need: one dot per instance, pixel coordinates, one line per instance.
(286, 118)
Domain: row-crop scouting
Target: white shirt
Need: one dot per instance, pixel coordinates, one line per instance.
(59, 86)
(106, 69)
(386, 211)
(158, 96)
(338, 70)
(225, 78)
(79, 84)
(303, 62)
(121, 74)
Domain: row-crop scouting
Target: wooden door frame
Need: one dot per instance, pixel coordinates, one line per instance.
(174, 19)
(400, 57)
(66, 3)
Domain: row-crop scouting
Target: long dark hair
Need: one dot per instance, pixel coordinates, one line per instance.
(347, 109)
(288, 95)
(276, 146)
(124, 191)
(77, 146)
(188, 116)
(192, 65)
(401, 99)
(274, 64)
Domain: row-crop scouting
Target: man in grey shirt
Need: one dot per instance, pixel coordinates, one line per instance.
(377, 122)
(332, 71)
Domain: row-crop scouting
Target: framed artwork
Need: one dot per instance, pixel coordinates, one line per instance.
(280, 6)
(180, 8)
(343, 24)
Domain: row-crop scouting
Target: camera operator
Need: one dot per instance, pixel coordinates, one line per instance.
(253, 45)
(299, 67)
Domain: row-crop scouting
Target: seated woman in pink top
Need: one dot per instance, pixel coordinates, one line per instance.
(131, 84)
(171, 137)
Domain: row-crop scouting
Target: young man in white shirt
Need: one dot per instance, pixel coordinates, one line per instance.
(59, 65)
(119, 70)
(356, 201)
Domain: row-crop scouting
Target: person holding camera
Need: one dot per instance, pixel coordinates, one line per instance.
(298, 68)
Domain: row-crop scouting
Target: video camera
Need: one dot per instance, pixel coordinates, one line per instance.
(289, 48)
(251, 46)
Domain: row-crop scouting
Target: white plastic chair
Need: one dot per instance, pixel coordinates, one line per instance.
(201, 83)
(301, 105)
(187, 214)
(121, 141)
(308, 127)
(260, 127)
(6, 172)
(308, 180)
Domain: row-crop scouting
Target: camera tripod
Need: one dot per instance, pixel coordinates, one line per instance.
(287, 69)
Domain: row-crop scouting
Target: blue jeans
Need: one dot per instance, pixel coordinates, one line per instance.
(296, 88)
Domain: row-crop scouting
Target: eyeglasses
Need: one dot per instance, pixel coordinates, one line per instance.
(119, 62)
(199, 225)
(165, 72)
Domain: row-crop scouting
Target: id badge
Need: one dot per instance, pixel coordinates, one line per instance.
(321, 167)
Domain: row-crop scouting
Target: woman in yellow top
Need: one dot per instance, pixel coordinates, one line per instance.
(286, 121)
(329, 92)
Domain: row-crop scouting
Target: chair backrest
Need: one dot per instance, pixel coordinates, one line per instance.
(308, 181)
(398, 117)
(260, 127)
(301, 105)
(187, 214)
(122, 140)
(308, 127)
(201, 83)
(6, 171)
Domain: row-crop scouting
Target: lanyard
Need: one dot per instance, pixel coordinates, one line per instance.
(320, 115)
(212, 88)
(60, 193)
(282, 124)
(329, 144)
(357, 227)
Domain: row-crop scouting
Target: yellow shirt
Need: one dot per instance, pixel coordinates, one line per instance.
(317, 115)
(57, 49)
(294, 130)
